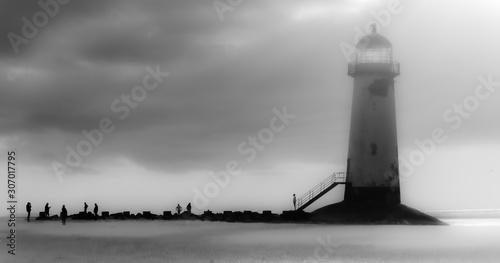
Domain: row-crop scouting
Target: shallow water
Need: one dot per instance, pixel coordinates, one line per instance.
(183, 241)
(472, 222)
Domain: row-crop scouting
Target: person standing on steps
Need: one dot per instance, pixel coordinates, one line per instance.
(294, 202)
(47, 208)
(64, 214)
(85, 206)
(28, 209)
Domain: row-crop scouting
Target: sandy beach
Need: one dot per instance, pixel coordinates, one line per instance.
(196, 241)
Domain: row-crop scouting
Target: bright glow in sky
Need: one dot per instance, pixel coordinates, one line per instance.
(327, 9)
(311, 11)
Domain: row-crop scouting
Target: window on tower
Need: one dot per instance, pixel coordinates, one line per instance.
(380, 55)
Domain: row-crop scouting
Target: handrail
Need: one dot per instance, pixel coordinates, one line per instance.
(392, 67)
(329, 181)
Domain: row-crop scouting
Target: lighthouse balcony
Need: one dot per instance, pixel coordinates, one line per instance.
(391, 68)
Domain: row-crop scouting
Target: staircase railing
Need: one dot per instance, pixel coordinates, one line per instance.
(338, 177)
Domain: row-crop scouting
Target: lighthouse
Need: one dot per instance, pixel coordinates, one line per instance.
(371, 182)
(372, 164)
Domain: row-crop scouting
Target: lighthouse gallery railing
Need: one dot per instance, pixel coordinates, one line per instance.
(359, 67)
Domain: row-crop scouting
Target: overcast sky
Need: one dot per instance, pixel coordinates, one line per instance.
(227, 78)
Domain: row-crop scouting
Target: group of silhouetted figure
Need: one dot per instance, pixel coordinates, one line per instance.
(64, 212)
(179, 208)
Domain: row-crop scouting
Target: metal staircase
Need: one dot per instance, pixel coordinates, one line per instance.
(319, 190)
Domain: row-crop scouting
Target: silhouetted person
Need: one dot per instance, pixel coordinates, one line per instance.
(179, 209)
(47, 208)
(64, 214)
(188, 208)
(294, 202)
(85, 206)
(96, 209)
(28, 209)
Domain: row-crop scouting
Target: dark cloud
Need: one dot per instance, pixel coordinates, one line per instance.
(12, 13)
(226, 78)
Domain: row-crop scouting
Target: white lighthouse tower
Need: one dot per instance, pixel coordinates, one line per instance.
(372, 164)
(372, 194)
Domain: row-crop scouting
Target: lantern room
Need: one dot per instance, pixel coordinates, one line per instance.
(373, 55)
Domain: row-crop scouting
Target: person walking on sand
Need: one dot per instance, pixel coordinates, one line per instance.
(294, 202)
(85, 206)
(47, 208)
(28, 209)
(179, 209)
(188, 208)
(96, 209)
(64, 214)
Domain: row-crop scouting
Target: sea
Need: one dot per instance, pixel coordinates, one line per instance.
(471, 217)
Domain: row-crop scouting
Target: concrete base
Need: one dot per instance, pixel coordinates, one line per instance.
(372, 213)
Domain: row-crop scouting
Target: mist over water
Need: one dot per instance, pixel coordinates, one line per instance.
(181, 241)
(472, 217)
